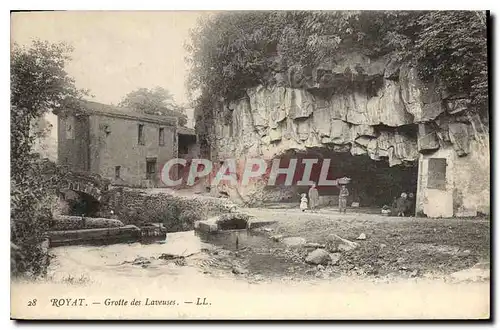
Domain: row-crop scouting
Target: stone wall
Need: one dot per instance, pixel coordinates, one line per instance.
(467, 190)
(177, 213)
(73, 142)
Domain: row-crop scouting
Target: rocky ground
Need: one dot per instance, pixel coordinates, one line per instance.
(377, 245)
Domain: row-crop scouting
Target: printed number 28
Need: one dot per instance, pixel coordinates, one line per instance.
(32, 302)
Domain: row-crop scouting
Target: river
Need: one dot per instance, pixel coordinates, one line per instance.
(227, 283)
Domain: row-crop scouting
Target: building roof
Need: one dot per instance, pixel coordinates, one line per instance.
(96, 108)
(185, 131)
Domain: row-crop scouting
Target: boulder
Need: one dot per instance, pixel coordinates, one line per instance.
(334, 258)
(314, 245)
(239, 270)
(361, 236)
(336, 243)
(318, 257)
(141, 261)
(294, 241)
(276, 238)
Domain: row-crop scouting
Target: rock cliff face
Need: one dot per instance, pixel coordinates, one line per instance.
(378, 108)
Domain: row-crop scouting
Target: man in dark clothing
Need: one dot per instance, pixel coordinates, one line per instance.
(410, 205)
(313, 197)
(344, 193)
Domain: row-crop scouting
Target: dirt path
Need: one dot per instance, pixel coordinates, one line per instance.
(393, 245)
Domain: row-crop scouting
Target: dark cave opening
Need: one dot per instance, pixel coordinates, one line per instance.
(373, 183)
(81, 204)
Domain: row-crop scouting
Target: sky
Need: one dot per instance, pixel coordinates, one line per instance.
(116, 52)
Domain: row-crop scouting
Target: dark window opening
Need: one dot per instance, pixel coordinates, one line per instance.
(436, 174)
(117, 172)
(140, 134)
(150, 168)
(185, 142)
(161, 136)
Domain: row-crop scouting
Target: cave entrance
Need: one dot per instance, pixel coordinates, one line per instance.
(373, 183)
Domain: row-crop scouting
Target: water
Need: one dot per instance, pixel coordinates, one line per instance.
(227, 239)
(255, 252)
(261, 254)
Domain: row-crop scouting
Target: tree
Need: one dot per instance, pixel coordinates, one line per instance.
(39, 84)
(158, 101)
(232, 51)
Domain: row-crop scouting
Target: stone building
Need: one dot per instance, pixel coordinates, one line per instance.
(127, 147)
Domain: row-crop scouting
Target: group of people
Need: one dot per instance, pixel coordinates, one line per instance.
(402, 206)
(313, 201)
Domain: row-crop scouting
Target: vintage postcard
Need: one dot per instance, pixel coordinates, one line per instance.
(245, 165)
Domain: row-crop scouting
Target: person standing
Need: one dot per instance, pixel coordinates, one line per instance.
(303, 202)
(343, 199)
(410, 205)
(313, 197)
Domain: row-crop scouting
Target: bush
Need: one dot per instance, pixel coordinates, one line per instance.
(39, 84)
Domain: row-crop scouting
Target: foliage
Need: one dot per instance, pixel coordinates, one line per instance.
(453, 46)
(39, 84)
(154, 101)
(232, 51)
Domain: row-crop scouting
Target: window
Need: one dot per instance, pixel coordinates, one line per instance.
(150, 168)
(161, 136)
(117, 172)
(140, 134)
(436, 174)
(70, 128)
